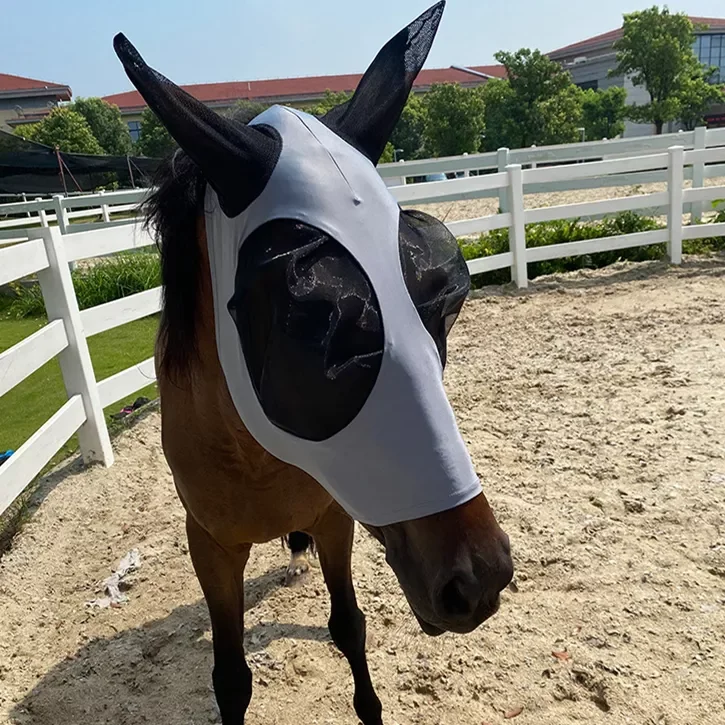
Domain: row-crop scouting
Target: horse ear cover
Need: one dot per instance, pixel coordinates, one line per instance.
(236, 160)
(367, 120)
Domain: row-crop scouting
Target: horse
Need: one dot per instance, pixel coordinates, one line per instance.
(317, 354)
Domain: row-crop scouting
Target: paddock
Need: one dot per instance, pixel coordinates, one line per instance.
(593, 406)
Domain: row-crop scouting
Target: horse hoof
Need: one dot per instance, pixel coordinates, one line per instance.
(297, 571)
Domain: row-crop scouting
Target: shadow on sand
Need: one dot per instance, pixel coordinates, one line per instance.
(159, 673)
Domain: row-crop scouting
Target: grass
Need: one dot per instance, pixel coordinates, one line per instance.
(28, 405)
(109, 279)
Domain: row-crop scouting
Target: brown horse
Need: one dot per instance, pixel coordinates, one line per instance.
(452, 564)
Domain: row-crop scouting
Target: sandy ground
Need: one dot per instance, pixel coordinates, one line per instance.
(594, 407)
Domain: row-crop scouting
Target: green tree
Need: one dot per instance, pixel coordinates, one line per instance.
(454, 120)
(656, 50)
(106, 124)
(603, 112)
(246, 110)
(388, 154)
(154, 140)
(536, 104)
(695, 98)
(327, 103)
(561, 116)
(409, 132)
(64, 128)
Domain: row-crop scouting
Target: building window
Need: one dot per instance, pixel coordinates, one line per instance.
(134, 128)
(710, 50)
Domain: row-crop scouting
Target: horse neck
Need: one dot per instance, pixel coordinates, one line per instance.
(203, 401)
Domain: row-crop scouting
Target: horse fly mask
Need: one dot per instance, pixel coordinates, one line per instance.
(332, 305)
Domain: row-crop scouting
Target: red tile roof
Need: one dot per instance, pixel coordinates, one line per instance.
(9, 83)
(612, 35)
(291, 88)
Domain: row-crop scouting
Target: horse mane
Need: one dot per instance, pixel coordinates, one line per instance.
(171, 215)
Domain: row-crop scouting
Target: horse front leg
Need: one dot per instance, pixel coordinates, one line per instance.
(221, 575)
(333, 537)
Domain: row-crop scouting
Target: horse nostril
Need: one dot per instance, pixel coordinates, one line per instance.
(456, 599)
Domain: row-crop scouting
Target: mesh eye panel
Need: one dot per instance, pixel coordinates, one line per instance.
(309, 321)
(310, 328)
(435, 272)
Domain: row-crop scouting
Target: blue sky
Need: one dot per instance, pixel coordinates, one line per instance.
(224, 40)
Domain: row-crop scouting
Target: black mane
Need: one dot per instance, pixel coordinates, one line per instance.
(171, 212)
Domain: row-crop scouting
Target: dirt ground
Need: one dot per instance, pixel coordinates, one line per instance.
(594, 406)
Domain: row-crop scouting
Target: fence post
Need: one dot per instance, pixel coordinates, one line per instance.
(503, 194)
(466, 172)
(517, 232)
(698, 173)
(75, 361)
(533, 163)
(61, 214)
(61, 217)
(104, 209)
(402, 178)
(42, 214)
(675, 183)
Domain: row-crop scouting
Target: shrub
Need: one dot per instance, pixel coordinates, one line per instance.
(575, 230)
(108, 279)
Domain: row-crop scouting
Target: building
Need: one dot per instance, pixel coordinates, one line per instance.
(28, 99)
(589, 62)
(299, 92)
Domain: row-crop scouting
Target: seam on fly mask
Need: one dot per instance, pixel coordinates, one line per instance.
(356, 199)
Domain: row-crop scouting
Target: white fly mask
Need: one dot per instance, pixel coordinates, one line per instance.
(331, 304)
(401, 456)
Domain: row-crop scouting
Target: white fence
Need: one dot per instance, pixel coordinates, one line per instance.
(514, 180)
(700, 139)
(474, 169)
(104, 207)
(49, 253)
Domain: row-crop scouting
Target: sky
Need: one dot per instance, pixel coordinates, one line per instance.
(225, 40)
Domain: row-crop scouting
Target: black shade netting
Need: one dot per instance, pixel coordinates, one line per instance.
(27, 167)
(309, 321)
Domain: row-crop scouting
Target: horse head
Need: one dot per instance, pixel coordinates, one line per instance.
(333, 306)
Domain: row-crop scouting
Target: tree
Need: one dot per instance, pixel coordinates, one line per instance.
(561, 116)
(64, 128)
(603, 112)
(454, 120)
(695, 98)
(330, 100)
(246, 110)
(409, 133)
(154, 140)
(106, 124)
(656, 50)
(536, 104)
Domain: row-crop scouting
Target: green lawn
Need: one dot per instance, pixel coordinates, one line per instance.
(27, 406)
